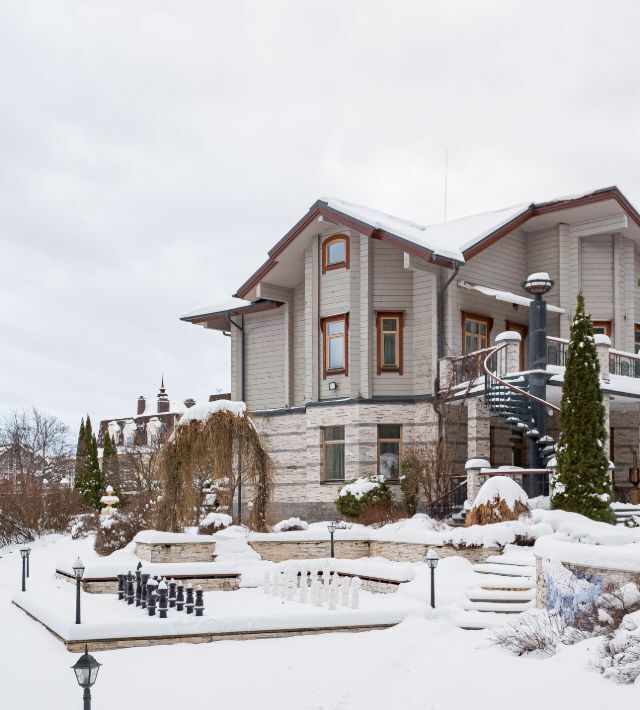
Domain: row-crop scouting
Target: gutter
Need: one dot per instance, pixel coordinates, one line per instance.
(441, 343)
(243, 369)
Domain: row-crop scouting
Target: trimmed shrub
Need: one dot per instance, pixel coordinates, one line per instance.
(356, 497)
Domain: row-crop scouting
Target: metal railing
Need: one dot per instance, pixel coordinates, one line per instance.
(450, 502)
(557, 349)
(468, 368)
(624, 364)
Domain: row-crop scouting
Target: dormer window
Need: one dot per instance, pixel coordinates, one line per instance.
(335, 253)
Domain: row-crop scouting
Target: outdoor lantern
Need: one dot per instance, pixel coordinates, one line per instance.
(78, 571)
(332, 527)
(24, 553)
(538, 284)
(432, 560)
(78, 568)
(86, 669)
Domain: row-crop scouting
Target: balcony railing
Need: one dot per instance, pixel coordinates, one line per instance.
(468, 368)
(557, 351)
(624, 364)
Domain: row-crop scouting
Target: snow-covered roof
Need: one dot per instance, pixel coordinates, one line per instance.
(447, 240)
(223, 307)
(507, 296)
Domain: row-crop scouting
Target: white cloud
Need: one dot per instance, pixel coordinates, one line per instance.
(151, 153)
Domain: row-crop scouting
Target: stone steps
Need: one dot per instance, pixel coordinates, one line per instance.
(505, 570)
(501, 607)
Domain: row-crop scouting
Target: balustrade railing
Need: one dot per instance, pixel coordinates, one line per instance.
(557, 349)
(624, 364)
(468, 368)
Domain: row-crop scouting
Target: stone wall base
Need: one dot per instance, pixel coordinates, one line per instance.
(354, 549)
(110, 586)
(183, 552)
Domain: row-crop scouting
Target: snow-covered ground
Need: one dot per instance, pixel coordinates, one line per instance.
(423, 663)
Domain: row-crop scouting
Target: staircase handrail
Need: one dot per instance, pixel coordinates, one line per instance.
(513, 388)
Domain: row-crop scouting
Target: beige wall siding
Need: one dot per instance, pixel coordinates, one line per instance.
(596, 276)
(298, 346)
(335, 299)
(425, 336)
(503, 265)
(264, 339)
(543, 255)
(392, 291)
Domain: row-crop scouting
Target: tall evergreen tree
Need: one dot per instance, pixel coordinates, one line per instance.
(110, 464)
(89, 481)
(81, 451)
(583, 483)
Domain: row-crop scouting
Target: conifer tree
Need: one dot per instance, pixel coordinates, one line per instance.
(81, 451)
(89, 481)
(110, 464)
(583, 482)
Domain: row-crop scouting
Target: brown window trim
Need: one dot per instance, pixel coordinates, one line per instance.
(379, 441)
(325, 253)
(524, 332)
(464, 315)
(326, 443)
(606, 324)
(323, 323)
(636, 332)
(400, 316)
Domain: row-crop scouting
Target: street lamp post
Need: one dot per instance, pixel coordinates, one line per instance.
(24, 553)
(332, 527)
(432, 560)
(78, 571)
(538, 285)
(86, 669)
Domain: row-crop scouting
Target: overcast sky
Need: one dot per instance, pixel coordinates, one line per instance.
(152, 152)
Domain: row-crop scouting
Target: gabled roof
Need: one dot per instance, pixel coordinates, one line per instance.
(217, 316)
(446, 244)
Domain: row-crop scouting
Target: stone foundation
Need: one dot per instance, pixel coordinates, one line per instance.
(176, 552)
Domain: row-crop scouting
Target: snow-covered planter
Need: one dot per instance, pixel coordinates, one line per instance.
(290, 524)
(212, 522)
(499, 499)
(362, 494)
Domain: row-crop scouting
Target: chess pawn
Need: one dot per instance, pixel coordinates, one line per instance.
(333, 597)
(344, 591)
(355, 593)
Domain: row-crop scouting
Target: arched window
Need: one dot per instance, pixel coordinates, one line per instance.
(335, 253)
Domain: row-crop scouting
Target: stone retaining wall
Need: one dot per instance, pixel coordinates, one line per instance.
(222, 583)
(177, 552)
(616, 577)
(309, 549)
(354, 549)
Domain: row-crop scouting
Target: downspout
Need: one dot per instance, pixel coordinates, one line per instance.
(243, 396)
(441, 343)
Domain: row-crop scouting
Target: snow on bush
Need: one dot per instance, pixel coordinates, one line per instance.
(499, 499)
(290, 524)
(212, 522)
(360, 486)
(618, 655)
(202, 412)
(365, 496)
(534, 631)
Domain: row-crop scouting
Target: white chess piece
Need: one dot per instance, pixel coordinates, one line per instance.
(333, 597)
(344, 591)
(355, 592)
(266, 583)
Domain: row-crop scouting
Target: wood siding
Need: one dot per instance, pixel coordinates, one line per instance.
(264, 339)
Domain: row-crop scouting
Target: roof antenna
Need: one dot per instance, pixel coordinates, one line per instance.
(446, 175)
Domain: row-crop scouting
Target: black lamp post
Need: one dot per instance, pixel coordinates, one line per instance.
(78, 571)
(24, 553)
(538, 285)
(332, 527)
(432, 560)
(86, 669)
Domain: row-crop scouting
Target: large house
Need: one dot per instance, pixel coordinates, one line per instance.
(358, 323)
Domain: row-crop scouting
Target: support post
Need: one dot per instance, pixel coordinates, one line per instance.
(537, 385)
(473, 468)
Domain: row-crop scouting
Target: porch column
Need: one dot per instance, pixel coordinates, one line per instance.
(473, 468)
(607, 423)
(603, 343)
(511, 360)
(478, 429)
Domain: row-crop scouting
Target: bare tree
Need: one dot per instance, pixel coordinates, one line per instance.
(34, 446)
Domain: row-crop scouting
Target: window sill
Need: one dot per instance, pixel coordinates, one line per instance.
(340, 482)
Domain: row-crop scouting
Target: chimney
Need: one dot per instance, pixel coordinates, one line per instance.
(188, 403)
(163, 399)
(142, 403)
